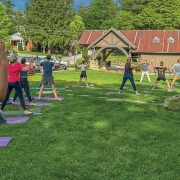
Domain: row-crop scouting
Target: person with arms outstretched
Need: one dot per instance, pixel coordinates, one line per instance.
(24, 82)
(83, 74)
(48, 67)
(128, 74)
(145, 65)
(161, 74)
(14, 68)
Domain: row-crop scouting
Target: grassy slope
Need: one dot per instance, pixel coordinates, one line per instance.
(95, 138)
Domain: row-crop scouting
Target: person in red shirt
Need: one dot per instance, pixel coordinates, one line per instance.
(14, 68)
(3, 76)
(24, 83)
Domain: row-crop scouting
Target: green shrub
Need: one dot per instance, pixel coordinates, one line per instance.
(20, 47)
(84, 52)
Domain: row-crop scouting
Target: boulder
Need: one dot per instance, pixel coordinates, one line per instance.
(173, 102)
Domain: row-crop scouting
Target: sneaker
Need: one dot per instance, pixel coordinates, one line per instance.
(2, 120)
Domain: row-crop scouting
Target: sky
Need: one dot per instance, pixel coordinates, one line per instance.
(20, 4)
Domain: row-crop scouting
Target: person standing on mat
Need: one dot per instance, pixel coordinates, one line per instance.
(24, 82)
(145, 65)
(48, 67)
(128, 74)
(161, 74)
(14, 68)
(3, 76)
(83, 67)
(176, 70)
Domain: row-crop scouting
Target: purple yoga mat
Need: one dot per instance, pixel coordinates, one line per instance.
(37, 103)
(4, 141)
(47, 98)
(17, 120)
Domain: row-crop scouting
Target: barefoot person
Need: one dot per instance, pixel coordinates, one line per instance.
(145, 65)
(128, 74)
(24, 82)
(3, 76)
(83, 74)
(176, 70)
(161, 74)
(48, 67)
(14, 68)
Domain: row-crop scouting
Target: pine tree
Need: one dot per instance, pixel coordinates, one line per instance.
(47, 22)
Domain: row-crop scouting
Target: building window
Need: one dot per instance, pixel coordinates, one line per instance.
(156, 40)
(170, 40)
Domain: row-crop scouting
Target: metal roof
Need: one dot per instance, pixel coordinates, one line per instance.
(142, 39)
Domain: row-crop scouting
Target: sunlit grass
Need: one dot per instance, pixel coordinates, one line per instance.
(86, 137)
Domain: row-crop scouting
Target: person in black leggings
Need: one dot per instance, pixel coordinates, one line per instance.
(14, 69)
(128, 74)
(3, 76)
(24, 83)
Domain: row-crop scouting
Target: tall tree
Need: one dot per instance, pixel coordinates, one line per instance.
(133, 6)
(81, 10)
(100, 14)
(124, 20)
(76, 27)
(4, 24)
(153, 14)
(47, 22)
(11, 13)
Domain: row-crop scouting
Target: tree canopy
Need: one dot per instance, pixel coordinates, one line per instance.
(55, 23)
(47, 22)
(5, 24)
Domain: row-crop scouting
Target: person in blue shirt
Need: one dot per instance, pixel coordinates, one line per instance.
(48, 67)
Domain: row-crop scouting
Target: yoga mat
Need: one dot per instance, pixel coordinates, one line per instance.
(20, 112)
(17, 120)
(37, 103)
(36, 88)
(112, 93)
(48, 98)
(48, 92)
(9, 102)
(109, 93)
(4, 141)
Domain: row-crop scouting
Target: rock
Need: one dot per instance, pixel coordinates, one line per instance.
(172, 102)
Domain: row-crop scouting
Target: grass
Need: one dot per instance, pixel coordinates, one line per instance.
(92, 138)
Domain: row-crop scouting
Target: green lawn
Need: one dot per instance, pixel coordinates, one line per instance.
(93, 137)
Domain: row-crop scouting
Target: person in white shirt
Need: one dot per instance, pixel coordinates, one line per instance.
(145, 65)
(83, 67)
(176, 70)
